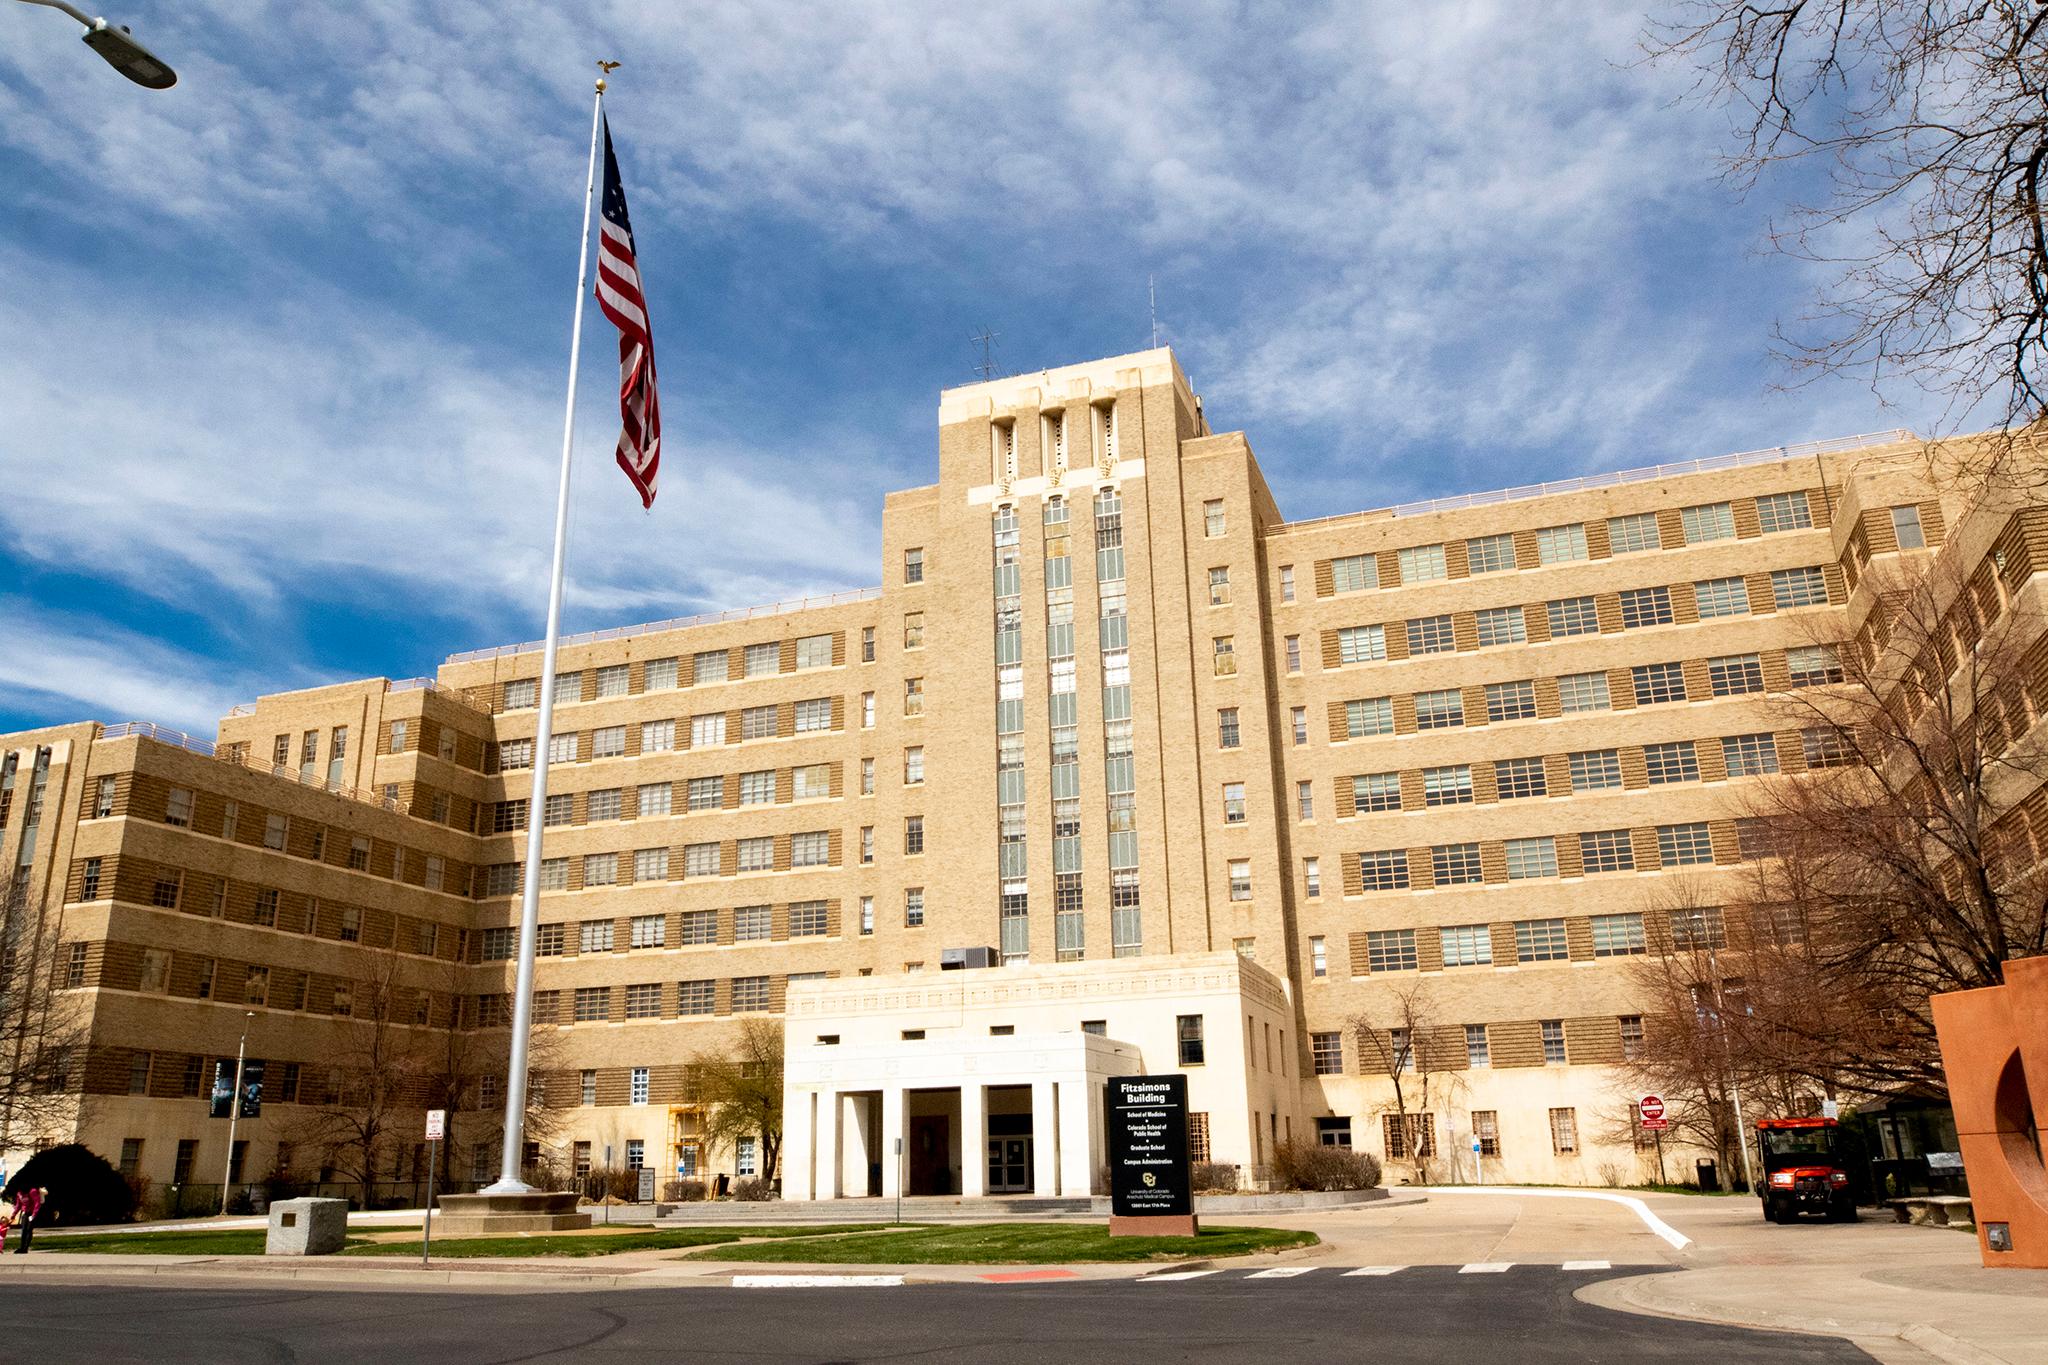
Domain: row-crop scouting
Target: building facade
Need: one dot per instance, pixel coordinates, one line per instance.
(1441, 773)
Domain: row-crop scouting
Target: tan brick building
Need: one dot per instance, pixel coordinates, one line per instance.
(1105, 703)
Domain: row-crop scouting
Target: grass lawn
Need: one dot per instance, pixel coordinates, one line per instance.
(249, 1241)
(199, 1242)
(1012, 1244)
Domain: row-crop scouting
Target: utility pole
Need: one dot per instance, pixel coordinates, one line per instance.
(227, 1169)
(1734, 1085)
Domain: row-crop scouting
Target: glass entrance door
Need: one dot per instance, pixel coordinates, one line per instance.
(1009, 1165)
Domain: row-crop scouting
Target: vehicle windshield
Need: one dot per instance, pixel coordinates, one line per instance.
(1798, 1141)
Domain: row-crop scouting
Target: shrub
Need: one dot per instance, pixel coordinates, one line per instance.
(82, 1187)
(1313, 1166)
(752, 1191)
(683, 1191)
(1214, 1177)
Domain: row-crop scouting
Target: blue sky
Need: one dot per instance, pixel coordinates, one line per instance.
(282, 349)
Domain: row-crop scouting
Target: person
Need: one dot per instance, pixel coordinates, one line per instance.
(6, 1224)
(27, 1204)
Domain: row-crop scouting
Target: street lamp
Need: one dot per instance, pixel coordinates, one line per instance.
(119, 47)
(235, 1110)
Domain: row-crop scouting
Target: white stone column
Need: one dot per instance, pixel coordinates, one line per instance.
(973, 1140)
(1078, 1129)
(1045, 1141)
(855, 1140)
(799, 1144)
(895, 1103)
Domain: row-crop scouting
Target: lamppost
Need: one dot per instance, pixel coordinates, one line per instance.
(227, 1172)
(119, 47)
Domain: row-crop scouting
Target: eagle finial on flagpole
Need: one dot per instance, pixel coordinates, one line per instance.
(607, 68)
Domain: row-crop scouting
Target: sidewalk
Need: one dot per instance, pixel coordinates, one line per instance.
(1903, 1294)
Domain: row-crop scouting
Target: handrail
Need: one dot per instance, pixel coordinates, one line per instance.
(163, 734)
(710, 618)
(1799, 450)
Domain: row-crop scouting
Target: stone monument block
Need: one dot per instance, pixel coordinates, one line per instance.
(307, 1227)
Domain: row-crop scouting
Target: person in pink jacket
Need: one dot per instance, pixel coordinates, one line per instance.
(27, 1204)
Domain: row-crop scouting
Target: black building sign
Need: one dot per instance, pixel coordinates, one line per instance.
(1148, 1146)
(220, 1098)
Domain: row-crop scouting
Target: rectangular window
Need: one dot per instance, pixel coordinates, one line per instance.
(594, 936)
(1561, 544)
(274, 827)
(1517, 778)
(1318, 956)
(813, 715)
(1501, 626)
(1564, 1131)
(1286, 582)
(813, 781)
(1240, 879)
(1618, 935)
(1421, 563)
(1783, 512)
(1219, 587)
(1813, 665)
(1227, 734)
(757, 788)
(756, 854)
(1721, 597)
(1906, 526)
(1361, 644)
(707, 730)
(1658, 683)
(1674, 762)
(1188, 1033)
(867, 777)
(749, 994)
(1225, 658)
(1233, 803)
(1391, 950)
(1372, 716)
(1355, 573)
(696, 997)
(103, 799)
(1298, 722)
(1212, 518)
(1572, 616)
(1684, 845)
(808, 919)
(657, 736)
(1466, 945)
(700, 928)
(1578, 692)
(1749, 755)
(1510, 700)
(1594, 769)
(1372, 792)
(1293, 648)
(1631, 1036)
(1540, 940)
(650, 865)
(1431, 635)
(568, 688)
(913, 564)
(654, 798)
(662, 674)
(1384, 870)
(913, 696)
(811, 848)
(815, 651)
(521, 694)
(1455, 864)
(1630, 534)
(643, 1001)
(1698, 927)
(1553, 1042)
(711, 666)
(1532, 857)
(1312, 877)
(1824, 747)
(560, 809)
(701, 860)
(1304, 800)
(913, 834)
(1708, 521)
(614, 680)
(1439, 710)
(762, 660)
(554, 874)
(1645, 607)
(1450, 785)
(1607, 850)
(758, 722)
(1801, 587)
(650, 931)
(1478, 1052)
(1490, 554)
(605, 805)
(515, 754)
(593, 1004)
(1735, 675)
(178, 807)
(1326, 1052)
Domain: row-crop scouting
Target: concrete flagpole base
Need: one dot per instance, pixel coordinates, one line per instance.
(496, 1215)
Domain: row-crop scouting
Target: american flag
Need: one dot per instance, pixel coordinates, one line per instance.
(618, 294)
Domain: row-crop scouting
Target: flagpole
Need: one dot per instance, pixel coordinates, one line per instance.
(529, 901)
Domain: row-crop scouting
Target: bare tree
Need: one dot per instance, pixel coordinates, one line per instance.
(1931, 117)
(378, 1075)
(464, 1071)
(740, 1087)
(1403, 1040)
(43, 1032)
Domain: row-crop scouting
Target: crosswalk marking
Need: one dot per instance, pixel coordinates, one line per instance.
(1176, 1275)
(1375, 1270)
(816, 1281)
(1280, 1272)
(1484, 1267)
(1587, 1265)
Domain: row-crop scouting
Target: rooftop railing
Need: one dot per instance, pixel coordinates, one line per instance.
(711, 618)
(239, 756)
(1802, 450)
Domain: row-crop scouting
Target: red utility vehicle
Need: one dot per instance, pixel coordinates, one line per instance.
(1804, 1170)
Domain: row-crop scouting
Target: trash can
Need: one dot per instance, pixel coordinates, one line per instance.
(1709, 1175)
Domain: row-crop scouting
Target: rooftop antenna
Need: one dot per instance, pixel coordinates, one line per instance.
(1152, 297)
(986, 340)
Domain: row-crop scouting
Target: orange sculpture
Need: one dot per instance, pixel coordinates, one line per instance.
(1994, 1047)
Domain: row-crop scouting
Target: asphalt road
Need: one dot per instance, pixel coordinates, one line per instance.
(1425, 1314)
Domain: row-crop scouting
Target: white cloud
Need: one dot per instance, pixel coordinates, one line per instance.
(117, 674)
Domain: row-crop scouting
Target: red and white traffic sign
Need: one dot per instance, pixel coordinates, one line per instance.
(437, 1124)
(1651, 1107)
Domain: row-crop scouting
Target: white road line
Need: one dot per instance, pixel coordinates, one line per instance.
(1280, 1272)
(1176, 1275)
(1587, 1265)
(1678, 1240)
(1375, 1270)
(815, 1281)
(1485, 1267)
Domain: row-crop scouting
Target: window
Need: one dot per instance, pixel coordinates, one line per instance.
(762, 660)
(1560, 544)
(1304, 800)
(706, 793)
(1813, 665)
(1188, 1032)
(1450, 785)
(1293, 647)
(1631, 1036)
(1390, 950)
(1518, 778)
(811, 848)
(808, 919)
(696, 997)
(1431, 635)
(1466, 945)
(1439, 710)
(654, 798)
(1906, 526)
(1607, 850)
(650, 865)
(343, 1003)
(1801, 587)
(661, 674)
(1684, 845)
(756, 854)
(521, 694)
(1286, 582)
(815, 651)
(594, 936)
(708, 730)
(749, 994)
(1384, 870)
(1735, 675)
(1212, 518)
(1553, 1042)
(1783, 512)
(163, 891)
(178, 807)
(1674, 762)
(1326, 1051)
(560, 809)
(1318, 956)
(1219, 587)
(701, 860)
(1312, 877)
(1372, 792)
(515, 754)
(649, 931)
(1572, 616)
(1455, 864)
(1708, 521)
(1749, 755)
(274, 831)
(1227, 733)
(1721, 597)
(554, 874)
(1298, 722)
(1233, 803)
(814, 780)
(614, 680)
(867, 843)
(605, 805)
(1361, 644)
(1532, 857)
(758, 722)
(1477, 1050)
(1416, 1138)
(913, 564)
(1354, 573)
(1564, 1131)
(1824, 747)
(1594, 769)
(913, 696)
(1501, 626)
(1578, 692)
(1373, 716)
(711, 666)
(1645, 607)
(1421, 563)
(1656, 683)
(700, 928)
(757, 788)
(1631, 534)
(643, 1001)
(1618, 935)
(1540, 940)
(103, 797)
(657, 736)
(1240, 879)
(867, 644)
(1510, 700)
(867, 777)
(913, 834)
(1490, 554)
(1698, 927)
